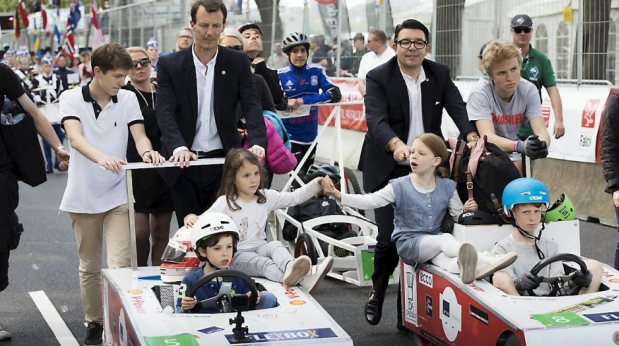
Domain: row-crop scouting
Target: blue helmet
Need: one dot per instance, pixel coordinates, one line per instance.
(525, 190)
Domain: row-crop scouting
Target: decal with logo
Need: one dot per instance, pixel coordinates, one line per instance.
(429, 306)
(210, 330)
(450, 313)
(588, 114)
(584, 305)
(298, 302)
(289, 335)
(314, 80)
(603, 317)
(426, 278)
(560, 319)
(478, 314)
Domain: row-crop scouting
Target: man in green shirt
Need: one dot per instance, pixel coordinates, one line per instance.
(537, 69)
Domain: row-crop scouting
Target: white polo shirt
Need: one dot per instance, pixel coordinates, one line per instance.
(370, 60)
(90, 189)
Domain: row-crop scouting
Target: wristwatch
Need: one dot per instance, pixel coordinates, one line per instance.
(60, 147)
(473, 138)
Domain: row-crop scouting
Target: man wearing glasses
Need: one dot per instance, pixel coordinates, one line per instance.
(405, 98)
(537, 69)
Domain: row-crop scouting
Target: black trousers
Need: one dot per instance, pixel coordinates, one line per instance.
(195, 190)
(386, 255)
(10, 228)
(299, 150)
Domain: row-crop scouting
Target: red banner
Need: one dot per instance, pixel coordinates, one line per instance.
(352, 116)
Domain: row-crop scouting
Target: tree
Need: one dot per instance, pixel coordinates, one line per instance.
(266, 14)
(448, 33)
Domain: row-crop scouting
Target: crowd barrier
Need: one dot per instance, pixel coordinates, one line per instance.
(573, 164)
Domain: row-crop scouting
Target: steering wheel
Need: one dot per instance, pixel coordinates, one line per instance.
(224, 291)
(559, 284)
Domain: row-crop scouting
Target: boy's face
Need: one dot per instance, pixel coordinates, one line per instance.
(528, 216)
(219, 255)
(112, 81)
(506, 76)
(298, 56)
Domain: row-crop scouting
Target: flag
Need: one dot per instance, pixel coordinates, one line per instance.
(68, 47)
(44, 18)
(37, 40)
(97, 39)
(56, 30)
(23, 13)
(16, 22)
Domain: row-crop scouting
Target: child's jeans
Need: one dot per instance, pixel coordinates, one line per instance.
(268, 260)
(267, 301)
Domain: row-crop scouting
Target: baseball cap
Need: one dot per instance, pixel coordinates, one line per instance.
(521, 21)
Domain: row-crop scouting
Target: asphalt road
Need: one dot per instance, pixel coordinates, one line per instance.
(47, 260)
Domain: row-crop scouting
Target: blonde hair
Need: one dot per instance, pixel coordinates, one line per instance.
(498, 51)
(137, 49)
(229, 32)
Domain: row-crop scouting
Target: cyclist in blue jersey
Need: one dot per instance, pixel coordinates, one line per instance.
(304, 84)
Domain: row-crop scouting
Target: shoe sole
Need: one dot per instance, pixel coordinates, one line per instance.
(299, 271)
(507, 261)
(324, 273)
(467, 261)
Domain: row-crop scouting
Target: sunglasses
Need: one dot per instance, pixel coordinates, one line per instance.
(519, 30)
(142, 62)
(239, 47)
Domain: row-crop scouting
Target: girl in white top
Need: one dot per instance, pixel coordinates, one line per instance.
(244, 199)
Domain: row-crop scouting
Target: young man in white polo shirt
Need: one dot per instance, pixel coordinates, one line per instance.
(97, 118)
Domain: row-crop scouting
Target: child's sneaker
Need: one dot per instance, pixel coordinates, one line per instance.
(296, 270)
(467, 261)
(312, 281)
(491, 262)
(4, 334)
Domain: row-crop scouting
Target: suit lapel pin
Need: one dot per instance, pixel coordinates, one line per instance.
(223, 72)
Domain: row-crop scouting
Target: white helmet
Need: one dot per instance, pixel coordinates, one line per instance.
(209, 225)
(179, 259)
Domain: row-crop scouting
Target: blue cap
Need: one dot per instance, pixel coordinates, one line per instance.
(525, 190)
(10, 52)
(22, 51)
(152, 42)
(47, 59)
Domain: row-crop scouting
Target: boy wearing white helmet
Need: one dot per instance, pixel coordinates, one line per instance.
(214, 238)
(524, 202)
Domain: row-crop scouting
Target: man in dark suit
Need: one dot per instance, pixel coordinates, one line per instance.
(404, 98)
(199, 90)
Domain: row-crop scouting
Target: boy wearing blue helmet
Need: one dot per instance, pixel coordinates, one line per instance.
(524, 201)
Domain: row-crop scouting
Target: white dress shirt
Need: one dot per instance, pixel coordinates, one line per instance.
(415, 110)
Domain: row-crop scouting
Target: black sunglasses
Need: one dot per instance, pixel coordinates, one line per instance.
(239, 47)
(519, 30)
(143, 62)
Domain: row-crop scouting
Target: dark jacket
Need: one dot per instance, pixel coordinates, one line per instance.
(609, 150)
(177, 102)
(266, 99)
(387, 109)
(272, 80)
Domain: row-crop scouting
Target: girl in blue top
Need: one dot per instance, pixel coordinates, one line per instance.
(420, 201)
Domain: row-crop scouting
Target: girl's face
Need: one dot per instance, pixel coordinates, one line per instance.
(528, 216)
(247, 181)
(422, 159)
(219, 255)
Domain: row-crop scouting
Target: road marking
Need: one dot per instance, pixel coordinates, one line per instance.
(53, 319)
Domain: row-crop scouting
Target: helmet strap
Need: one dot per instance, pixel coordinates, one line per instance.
(540, 253)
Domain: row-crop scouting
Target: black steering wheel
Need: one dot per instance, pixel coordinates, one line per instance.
(559, 284)
(225, 291)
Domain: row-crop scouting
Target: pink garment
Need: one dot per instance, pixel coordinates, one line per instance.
(278, 158)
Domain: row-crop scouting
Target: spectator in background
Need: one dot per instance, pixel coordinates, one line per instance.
(379, 53)
(184, 38)
(9, 55)
(75, 64)
(278, 59)
(360, 50)
(62, 71)
(152, 48)
(85, 69)
(537, 69)
(35, 61)
(252, 45)
(345, 59)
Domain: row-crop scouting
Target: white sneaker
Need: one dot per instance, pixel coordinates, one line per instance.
(467, 262)
(296, 270)
(4, 334)
(312, 281)
(491, 262)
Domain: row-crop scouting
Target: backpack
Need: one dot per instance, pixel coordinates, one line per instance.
(481, 173)
(279, 126)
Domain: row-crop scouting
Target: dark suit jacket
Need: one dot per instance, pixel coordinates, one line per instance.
(387, 112)
(177, 102)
